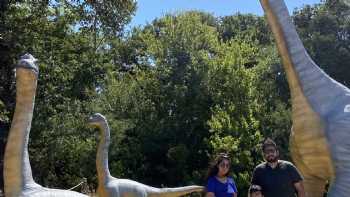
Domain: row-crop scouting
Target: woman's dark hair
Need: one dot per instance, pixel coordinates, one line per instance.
(214, 166)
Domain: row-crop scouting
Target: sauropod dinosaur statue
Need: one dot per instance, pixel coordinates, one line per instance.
(109, 186)
(320, 137)
(18, 179)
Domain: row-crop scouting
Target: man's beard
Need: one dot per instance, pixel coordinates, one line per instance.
(272, 159)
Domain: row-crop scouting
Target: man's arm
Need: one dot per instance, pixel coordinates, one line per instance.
(297, 178)
(255, 178)
(299, 186)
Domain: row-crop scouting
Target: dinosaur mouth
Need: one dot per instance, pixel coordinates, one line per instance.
(96, 119)
(90, 121)
(27, 61)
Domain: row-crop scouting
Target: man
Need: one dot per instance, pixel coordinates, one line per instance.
(277, 178)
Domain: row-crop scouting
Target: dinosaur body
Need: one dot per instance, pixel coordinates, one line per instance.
(109, 186)
(129, 188)
(18, 179)
(320, 137)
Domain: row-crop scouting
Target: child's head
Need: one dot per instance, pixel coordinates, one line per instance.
(255, 191)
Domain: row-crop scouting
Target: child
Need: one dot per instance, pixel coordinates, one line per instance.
(255, 191)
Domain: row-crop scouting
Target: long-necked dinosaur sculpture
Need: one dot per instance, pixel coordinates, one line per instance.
(17, 171)
(320, 138)
(109, 186)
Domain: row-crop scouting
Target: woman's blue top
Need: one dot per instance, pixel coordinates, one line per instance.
(221, 189)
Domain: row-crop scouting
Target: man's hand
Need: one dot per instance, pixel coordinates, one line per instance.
(299, 186)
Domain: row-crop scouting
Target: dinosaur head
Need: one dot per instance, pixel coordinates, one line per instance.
(96, 120)
(27, 61)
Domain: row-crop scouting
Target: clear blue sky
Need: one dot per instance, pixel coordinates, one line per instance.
(147, 10)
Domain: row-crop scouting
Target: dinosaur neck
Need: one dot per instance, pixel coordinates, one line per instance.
(307, 85)
(17, 170)
(300, 68)
(102, 154)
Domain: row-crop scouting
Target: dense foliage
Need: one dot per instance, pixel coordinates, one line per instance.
(175, 91)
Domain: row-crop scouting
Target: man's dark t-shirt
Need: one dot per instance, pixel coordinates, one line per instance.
(277, 182)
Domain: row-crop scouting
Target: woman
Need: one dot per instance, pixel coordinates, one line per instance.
(219, 183)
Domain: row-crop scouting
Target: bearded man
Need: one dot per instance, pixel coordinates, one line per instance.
(277, 178)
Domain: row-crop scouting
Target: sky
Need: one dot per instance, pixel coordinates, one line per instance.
(147, 10)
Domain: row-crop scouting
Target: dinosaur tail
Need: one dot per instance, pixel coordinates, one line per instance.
(174, 192)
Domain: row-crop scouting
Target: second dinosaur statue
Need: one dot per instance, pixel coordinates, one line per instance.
(109, 186)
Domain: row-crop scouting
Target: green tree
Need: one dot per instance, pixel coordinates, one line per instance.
(247, 27)
(189, 97)
(325, 30)
(233, 125)
(59, 34)
(170, 123)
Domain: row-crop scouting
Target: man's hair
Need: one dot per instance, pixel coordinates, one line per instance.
(254, 188)
(268, 142)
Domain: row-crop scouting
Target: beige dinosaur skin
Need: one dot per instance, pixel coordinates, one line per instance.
(320, 137)
(18, 180)
(109, 186)
(308, 144)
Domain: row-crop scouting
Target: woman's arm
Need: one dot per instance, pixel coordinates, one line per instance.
(210, 194)
(235, 194)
